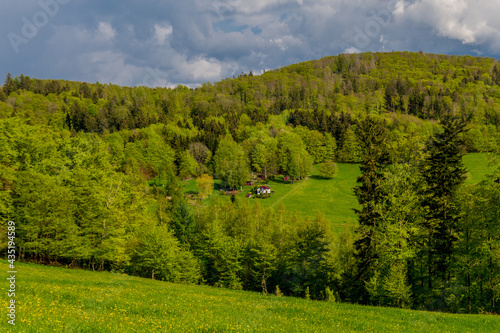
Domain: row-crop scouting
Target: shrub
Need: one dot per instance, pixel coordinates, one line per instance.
(328, 169)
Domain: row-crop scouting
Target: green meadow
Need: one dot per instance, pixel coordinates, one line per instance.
(335, 197)
(53, 299)
(332, 197)
(478, 165)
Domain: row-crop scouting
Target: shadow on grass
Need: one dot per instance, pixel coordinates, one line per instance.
(319, 177)
(280, 181)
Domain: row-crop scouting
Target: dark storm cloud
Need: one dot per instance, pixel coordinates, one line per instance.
(163, 43)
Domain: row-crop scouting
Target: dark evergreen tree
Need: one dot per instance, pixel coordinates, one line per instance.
(372, 133)
(3, 97)
(183, 222)
(305, 264)
(496, 74)
(443, 172)
(10, 85)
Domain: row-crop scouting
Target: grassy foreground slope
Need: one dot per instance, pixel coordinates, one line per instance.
(52, 299)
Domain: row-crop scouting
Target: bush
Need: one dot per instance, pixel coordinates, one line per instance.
(329, 297)
(328, 169)
(278, 292)
(158, 255)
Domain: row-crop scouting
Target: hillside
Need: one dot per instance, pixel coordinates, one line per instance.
(57, 299)
(92, 176)
(426, 86)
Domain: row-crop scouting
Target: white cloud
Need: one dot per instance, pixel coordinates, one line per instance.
(202, 69)
(469, 21)
(162, 31)
(399, 11)
(105, 31)
(351, 50)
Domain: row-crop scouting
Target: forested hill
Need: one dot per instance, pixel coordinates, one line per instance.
(424, 85)
(91, 175)
(324, 95)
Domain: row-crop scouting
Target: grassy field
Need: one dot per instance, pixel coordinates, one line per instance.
(478, 166)
(51, 299)
(335, 198)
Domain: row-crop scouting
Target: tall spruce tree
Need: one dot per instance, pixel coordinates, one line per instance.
(372, 133)
(443, 172)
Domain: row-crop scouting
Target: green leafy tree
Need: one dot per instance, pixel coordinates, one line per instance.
(158, 255)
(476, 263)
(220, 256)
(306, 264)
(230, 164)
(263, 156)
(187, 165)
(330, 147)
(351, 151)
(45, 218)
(314, 142)
(183, 222)
(202, 156)
(205, 184)
(328, 169)
(158, 155)
(293, 158)
(259, 264)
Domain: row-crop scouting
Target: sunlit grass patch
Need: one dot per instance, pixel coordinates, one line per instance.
(52, 299)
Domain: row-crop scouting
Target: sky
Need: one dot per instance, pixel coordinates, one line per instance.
(166, 43)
